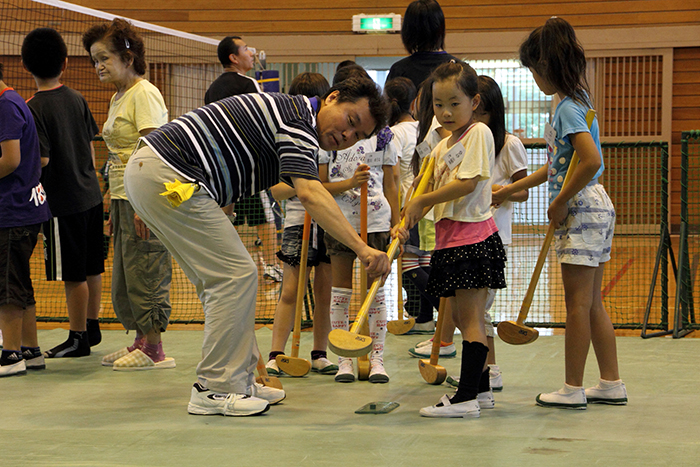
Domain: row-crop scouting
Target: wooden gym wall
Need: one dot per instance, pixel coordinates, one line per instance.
(290, 17)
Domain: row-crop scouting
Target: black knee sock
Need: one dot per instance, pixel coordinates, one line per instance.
(273, 354)
(473, 359)
(316, 354)
(485, 381)
(94, 333)
(77, 345)
(419, 278)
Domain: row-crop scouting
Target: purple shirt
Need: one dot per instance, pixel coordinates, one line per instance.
(22, 198)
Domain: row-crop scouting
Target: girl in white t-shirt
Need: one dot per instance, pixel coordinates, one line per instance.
(369, 161)
(510, 166)
(469, 257)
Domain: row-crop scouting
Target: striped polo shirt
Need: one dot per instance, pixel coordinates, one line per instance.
(241, 145)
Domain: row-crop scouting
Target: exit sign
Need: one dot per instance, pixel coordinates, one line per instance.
(376, 23)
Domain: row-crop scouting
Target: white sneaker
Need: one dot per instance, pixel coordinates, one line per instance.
(324, 366)
(486, 400)
(273, 273)
(495, 378)
(345, 373)
(377, 373)
(19, 368)
(468, 409)
(447, 351)
(423, 328)
(270, 394)
(272, 368)
(206, 402)
(568, 397)
(607, 392)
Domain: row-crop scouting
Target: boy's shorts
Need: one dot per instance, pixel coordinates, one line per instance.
(378, 241)
(16, 247)
(74, 246)
(290, 251)
(586, 237)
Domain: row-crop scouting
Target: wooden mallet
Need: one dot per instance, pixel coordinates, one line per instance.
(363, 366)
(293, 365)
(517, 332)
(265, 379)
(432, 372)
(350, 343)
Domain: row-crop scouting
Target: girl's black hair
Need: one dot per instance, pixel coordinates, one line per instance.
(399, 92)
(463, 74)
(1, 74)
(492, 103)
(553, 51)
(309, 84)
(122, 40)
(423, 27)
(424, 115)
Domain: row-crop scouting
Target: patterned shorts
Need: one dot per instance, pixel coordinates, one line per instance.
(586, 236)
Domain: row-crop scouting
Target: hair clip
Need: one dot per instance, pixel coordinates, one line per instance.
(126, 42)
(453, 61)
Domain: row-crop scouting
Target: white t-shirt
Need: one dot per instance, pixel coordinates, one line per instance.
(294, 211)
(140, 107)
(405, 135)
(478, 162)
(343, 166)
(510, 160)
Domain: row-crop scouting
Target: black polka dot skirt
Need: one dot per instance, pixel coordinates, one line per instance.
(477, 266)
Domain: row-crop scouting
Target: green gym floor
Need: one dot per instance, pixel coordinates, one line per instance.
(78, 413)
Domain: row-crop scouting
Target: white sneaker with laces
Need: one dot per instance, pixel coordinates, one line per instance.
(206, 402)
(607, 392)
(568, 397)
(345, 373)
(324, 366)
(445, 409)
(495, 378)
(377, 373)
(270, 394)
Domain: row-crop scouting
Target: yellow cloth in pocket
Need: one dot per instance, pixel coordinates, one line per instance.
(177, 192)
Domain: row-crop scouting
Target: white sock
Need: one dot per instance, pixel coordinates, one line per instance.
(340, 307)
(605, 384)
(568, 389)
(377, 324)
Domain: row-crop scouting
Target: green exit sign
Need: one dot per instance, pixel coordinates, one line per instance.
(376, 23)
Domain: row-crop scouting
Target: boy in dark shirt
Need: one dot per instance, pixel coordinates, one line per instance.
(74, 247)
(23, 208)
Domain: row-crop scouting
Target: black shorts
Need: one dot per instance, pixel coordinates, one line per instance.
(290, 251)
(16, 247)
(74, 246)
(250, 210)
